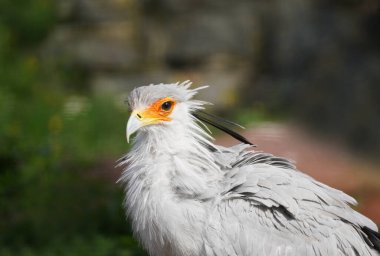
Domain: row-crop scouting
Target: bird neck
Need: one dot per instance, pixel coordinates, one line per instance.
(178, 155)
(170, 171)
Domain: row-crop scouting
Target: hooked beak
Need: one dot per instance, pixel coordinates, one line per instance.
(134, 123)
(140, 118)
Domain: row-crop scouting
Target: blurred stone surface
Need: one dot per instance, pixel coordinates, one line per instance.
(93, 11)
(106, 46)
(113, 84)
(122, 44)
(322, 67)
(318, 61)
(200, 35)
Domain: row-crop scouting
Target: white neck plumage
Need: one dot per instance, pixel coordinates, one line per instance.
(167, 165)
(176, 153)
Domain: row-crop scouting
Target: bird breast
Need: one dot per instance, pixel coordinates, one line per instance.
(163, 202)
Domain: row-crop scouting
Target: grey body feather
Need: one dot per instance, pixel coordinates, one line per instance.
(187, 196)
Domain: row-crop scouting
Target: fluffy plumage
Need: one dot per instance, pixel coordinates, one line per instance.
(186, 196)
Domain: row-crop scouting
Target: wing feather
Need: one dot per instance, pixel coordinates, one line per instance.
(283, 211)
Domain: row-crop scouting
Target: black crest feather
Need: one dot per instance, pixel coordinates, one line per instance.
(220, 123)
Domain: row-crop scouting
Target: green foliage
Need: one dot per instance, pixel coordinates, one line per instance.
(91, 246)
(28, 21)
(48, 154)
(55, 198)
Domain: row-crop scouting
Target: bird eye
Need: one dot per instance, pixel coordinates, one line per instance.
(167, 105)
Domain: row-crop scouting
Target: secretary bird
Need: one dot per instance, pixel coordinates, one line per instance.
(186, 196)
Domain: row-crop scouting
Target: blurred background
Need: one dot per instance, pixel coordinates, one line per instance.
(302, 75)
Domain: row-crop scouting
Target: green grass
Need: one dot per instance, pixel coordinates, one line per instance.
(79, 246)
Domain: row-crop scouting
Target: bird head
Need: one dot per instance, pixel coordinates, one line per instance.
(171, 105)
(160, 105)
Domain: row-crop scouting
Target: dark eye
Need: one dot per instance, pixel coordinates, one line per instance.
(167, 105)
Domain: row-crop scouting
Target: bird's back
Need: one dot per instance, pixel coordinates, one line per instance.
(267, 207)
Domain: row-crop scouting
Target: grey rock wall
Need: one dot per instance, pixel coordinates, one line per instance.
(316, 60)
(121, 44)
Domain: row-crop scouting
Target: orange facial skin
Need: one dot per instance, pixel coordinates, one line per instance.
(155, 112)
